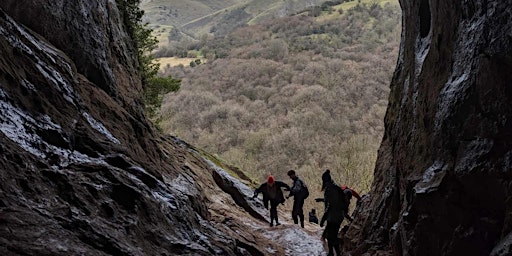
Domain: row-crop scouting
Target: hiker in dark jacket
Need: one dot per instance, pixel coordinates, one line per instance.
(312, 216)
(299, 193)
(335, 208)
(349, 193)
(272, 193)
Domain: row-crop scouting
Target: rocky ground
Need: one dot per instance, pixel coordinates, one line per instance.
(247, 220)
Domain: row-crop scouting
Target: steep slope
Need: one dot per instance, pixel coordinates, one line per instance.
(254, 11)
(83, 172)
(442, 181)
(184, 21)
(177, 13)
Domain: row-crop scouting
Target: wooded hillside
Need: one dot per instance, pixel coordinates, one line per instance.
(301, 92)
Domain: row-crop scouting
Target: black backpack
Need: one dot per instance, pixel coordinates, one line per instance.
(305, 190)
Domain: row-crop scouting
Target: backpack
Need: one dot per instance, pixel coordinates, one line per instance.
(305, 190)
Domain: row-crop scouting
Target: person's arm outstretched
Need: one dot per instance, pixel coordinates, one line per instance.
(258, 190)
(281, 184)
(355, 194)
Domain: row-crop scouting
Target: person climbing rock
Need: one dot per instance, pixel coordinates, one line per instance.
(349, 193)
(272, 193)
(312, 216)
(300, 192)
(335, 209)
(352, 192)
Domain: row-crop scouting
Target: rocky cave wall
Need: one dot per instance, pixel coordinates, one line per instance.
(443, 175)
(81, 170)
(92, 34)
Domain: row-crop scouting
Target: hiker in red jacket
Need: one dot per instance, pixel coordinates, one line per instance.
(349, 193)
(353, 192)
(272, 192)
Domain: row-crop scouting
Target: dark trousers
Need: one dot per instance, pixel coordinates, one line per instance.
(297, 211)
(331, 233)
(273, 211)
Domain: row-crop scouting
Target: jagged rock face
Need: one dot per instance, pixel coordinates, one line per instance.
(84, 174)
(443, 176)
(75, 180)
(92, 34)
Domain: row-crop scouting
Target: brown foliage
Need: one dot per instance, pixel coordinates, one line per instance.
(293, 93)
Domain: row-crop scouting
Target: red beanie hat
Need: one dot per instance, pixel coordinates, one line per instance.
(270, 179)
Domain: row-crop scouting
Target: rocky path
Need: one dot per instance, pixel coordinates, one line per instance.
(245, 219)
(295, 240)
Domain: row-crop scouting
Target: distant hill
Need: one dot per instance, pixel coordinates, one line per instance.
(179, 12)
(181, 20)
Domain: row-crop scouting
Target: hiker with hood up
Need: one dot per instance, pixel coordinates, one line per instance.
(300, 192)
(335, 209)
(272, 193)
(349, 193)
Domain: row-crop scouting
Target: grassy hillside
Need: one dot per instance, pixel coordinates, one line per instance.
(186, 21)
(179, 12)
(168, 17)
(305, 92)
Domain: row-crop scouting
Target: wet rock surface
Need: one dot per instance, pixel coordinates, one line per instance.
(443, 176)
(75, 180)
(92, 34)
(82, 173)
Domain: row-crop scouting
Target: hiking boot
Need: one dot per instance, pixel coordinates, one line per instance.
(271, 224)
(277, 224)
